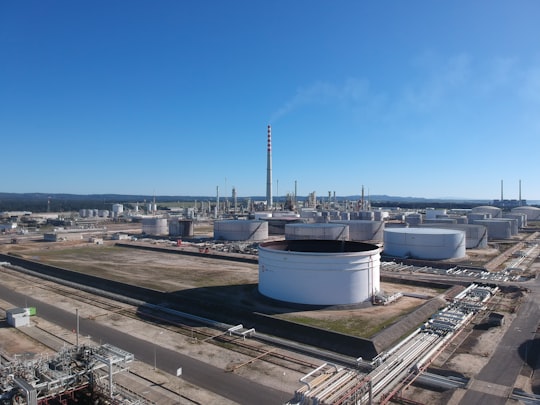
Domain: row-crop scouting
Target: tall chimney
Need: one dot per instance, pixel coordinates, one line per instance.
(269, 170)
(520, 192)
(502, 197)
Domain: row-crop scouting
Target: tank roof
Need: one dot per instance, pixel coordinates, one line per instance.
(319, 246)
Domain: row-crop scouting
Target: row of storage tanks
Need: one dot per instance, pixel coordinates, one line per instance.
(431, 238)
(317, 264)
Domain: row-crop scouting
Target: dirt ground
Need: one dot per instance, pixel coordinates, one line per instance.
(176, 272)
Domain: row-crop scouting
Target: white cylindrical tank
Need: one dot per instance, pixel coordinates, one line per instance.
(380, 215)
(236, 229)
(424, 243)
(476, 236)
(497, 229)
(475, 216)
(413, 219)
(360, 231)
(262, 215)
(494, 211)
(533, 213)
(319, 272)
(432, 213)
(155, 226)
(366, 215)
(519, 217)
(82, 213)
(117, 209)
(322, 231)
(441, 221)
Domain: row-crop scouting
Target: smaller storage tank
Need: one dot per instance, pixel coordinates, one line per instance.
(117, 209)
(361, 231)
(181, 227)
(322, 231)
(240, 230)
(476, 236)
(441, 221)
(533, 213)
(155, 226)
(432, 213)
(496, 229)
(424, 243)
(520, 217)
(413, 219)
(494, 211)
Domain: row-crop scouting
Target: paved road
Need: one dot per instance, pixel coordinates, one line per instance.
(494, 382)
(196, 372)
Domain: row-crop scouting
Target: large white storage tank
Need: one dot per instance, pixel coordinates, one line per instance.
(425, 243)
(533, 213)
(494, 211)
(155, 226)
(476, 236)
(241, 230)
(496, 229)
(319, 272)
(361, 231)
(321, 231)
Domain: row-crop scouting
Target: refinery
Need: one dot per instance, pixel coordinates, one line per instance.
(294, 300)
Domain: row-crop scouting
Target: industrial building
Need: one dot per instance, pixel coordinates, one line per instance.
(319, 272)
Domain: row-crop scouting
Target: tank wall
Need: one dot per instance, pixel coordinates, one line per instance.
(155, 226)
(430, 246)
(476, 236)
(323, 231)
(533, 213)
(319, 278)
(364, 230)
(240, 230)
(496, 229)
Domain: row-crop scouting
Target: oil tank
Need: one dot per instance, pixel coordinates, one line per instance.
(413, 219)
(155, 226)
(432, 213)
(494, 211)
(319, 272)
(361, 231)
(441, 221)
(519, 217)
(424, 243)
(476, 236)
(240, 230)
(181, 227)
(321, 231)
(533, 213)
(497, 229)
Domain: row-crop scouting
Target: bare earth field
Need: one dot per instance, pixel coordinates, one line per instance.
(177, 272)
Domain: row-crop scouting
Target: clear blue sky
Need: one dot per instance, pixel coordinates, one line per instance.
(408, 98)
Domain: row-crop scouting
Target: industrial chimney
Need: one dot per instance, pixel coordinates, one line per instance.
(269, 170)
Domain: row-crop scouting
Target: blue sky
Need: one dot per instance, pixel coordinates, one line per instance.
(408, 98)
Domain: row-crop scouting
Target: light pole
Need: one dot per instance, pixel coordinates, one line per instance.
(155, 351)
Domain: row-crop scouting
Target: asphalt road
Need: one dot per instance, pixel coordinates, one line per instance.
(196, 372)
(492, 384)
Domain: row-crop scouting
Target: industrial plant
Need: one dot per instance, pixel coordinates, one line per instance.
(421, 276)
